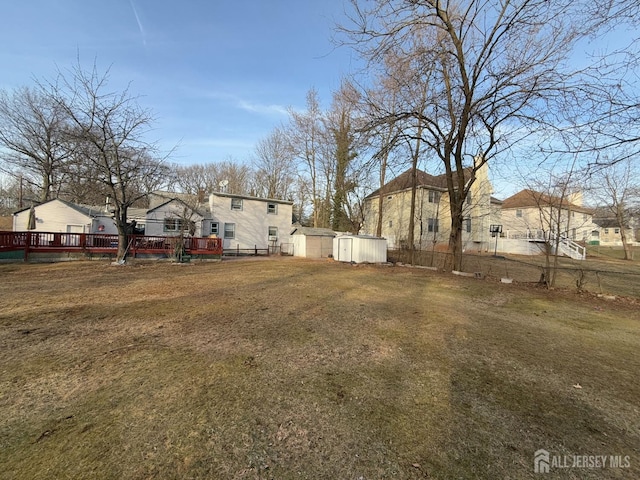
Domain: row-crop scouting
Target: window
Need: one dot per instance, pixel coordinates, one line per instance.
(468, 198)
(616, 231)
(433, 225)
(172, 224)
(236, 204)
(273, 232)
(390, 223)
(229, 230)
(606, 230)
(214, 228)
(584, 217)
(272, 208)
(519, 213)
(434, 197)
(467, 222)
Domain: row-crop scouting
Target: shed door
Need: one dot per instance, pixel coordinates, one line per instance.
(326, 247)
(345, 247)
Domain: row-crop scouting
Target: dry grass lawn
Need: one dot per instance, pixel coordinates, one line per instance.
(285, 368)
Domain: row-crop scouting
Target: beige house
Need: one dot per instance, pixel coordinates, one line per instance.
(432, 214)
(531, 214)
(609, 231)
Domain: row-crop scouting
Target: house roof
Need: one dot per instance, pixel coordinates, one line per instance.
(160, 197)
(607, 223)
(423, 180)
(531, 199)
(133, 212)
(88, 210)
(605, 218)
(178, 200)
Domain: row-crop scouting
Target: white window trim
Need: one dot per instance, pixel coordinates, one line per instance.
(237, 207)
(233, 231)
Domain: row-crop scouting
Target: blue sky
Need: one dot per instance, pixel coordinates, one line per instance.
(218, 74)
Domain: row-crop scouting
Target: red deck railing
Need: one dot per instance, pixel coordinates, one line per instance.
(100, 243)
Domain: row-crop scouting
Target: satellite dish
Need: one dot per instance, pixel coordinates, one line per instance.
(224, 183)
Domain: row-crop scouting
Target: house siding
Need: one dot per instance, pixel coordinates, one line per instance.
(155, 219)
(252, 222)
(577, 226)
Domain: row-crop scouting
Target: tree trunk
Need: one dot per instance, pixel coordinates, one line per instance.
(121, 225)
(454, 260)
(628, 254)
(412, 213)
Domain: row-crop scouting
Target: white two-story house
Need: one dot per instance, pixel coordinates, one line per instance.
(242, 221)
(246, 222)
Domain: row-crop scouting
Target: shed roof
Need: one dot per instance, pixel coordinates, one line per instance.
(313, 232)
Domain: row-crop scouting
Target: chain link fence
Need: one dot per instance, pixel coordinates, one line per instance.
(600, 275)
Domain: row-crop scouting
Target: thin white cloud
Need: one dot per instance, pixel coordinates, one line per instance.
(262, 109)
(142, 32)
(246, 105)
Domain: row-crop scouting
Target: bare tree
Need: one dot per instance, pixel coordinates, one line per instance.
(307, 136)
(381, 138)
(112, 128)
(33, 138)
(617, 189)
(339, 122)
(492, 64)
(274, 166)
(203, 178)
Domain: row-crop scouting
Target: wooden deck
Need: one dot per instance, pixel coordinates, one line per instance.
(99, 243)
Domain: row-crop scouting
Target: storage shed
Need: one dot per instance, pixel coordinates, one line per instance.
(360, 249)
(311, 242)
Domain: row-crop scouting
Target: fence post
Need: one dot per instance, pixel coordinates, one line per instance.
(26, 247)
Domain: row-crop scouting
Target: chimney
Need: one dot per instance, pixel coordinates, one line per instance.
(575, 198)
(211, 199)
